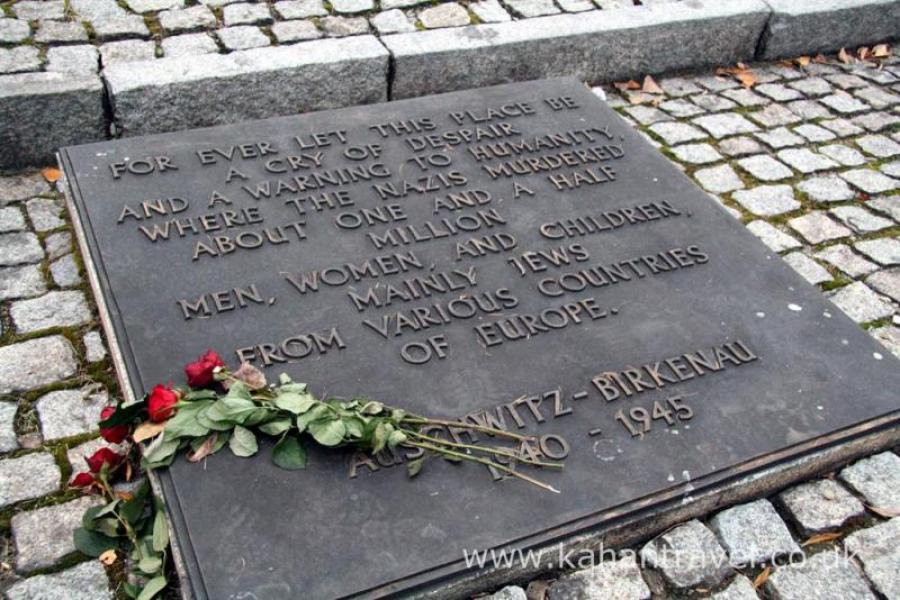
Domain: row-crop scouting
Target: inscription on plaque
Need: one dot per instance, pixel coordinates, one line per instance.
(514, 256)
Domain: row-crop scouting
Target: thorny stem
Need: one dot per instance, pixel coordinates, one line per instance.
(484, 461)
(473, 426)
(489, 449)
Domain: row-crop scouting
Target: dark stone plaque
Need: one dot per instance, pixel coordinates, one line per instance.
(515, 254)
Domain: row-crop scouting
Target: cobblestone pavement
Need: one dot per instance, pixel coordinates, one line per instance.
(808, 158)
(82, 35)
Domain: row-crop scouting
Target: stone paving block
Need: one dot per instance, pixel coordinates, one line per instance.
(510, 592)
(765, 168)
(767, 200)
(142, 6)
(392, 21)
(97, 10)
(847, 81)
(65, 272)
(753, 533)
(805, 160)
(718, 180)
(94, 348)
(294, 31)
(774, 115)
(11, 219)
(778, 92)
(713, 103)
(19, 248)
(189, 44)
(859, 219)
(54, 309)
(878, 146)
(816, 227)
(717, 83)
(883, 251)
(344, 26)
(889, 336)
(34, 10)
(8, 439)
(876, 121)
(669, 37)
(860, 303)
(620, 579)
(58, 244)
(780, 137)
(891, 169)
(809, 269)
(696, 154)
(21, 282)
(876, 97)
(448, 14)
(22, 187)
(673, 132)
(19, 59)
(820, 506)
(844, 103)
(60, 32)
(242, 37)
(812, 86)
(86, 581)
(841, 127)
(886, 282)
(127, 51)
(824, 576)
(845, 155)
(888, 205)
(826, 188)
(724, 125)
(677, 87)
(646, 115)
(127, 26)
(187, 19)
(45, 213)
(688, 556)
(44, 536)
(575, 5)
(490, 11)
(262, 82)
(745, 97)
(771, 236)
(809, 109)
(301, 9)
(876, 478)
(739, 146)
(245, 13)
(35, 363)
(739, 589)
(31, 105)
(843, 258)
(681, 109)
(66, 413)
(26, 477)
(878, 549)
(532, 8)
(869, 181)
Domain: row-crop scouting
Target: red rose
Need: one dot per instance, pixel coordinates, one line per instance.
(200, 373)
(82, 480)
(103, 456)
(116, 433)
(161, 403)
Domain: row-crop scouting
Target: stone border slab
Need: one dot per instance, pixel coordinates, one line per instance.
(170, 94)
(807, 26)
(39, 112)
(595, 46)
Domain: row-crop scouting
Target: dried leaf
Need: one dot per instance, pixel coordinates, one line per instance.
(250, 375)
(631, 84)
(787, 64)
(205, 448)
(803, 61)
(747, 79)
(742, 66)
(129, 471)
(125, 496)
(844, 57)
(820, 58)
(881, 51)
(147, 430)
(638, 98)
(109, 557)
(888, 513)
(761, 578)
(862, 52)
(51, 174)
(650, 86)
(821, 538)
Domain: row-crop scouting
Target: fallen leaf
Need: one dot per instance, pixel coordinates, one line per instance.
(888, 513)
(537, 590)
(881, 51)
(251, 376)
(650, 86)
(844, 57)
(125, 496)
(631, 84)
(821, 538)
(147, 430)
(761, 578)
(787, 64)
(51, 174)
(742, 66)
(747, 79)
(803, 61)
(205, 448)
(862, 52)
(129, 471)
(109, 557)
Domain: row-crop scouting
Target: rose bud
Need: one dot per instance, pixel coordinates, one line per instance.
(161, 403)
(116, 433)
(103, 456)
(82, 480)
(200, 373)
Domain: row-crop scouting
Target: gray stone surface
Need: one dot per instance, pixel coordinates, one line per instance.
(844, 103)
(809, 269)
(20, 248)
(878, 549)
(29, 476)
(772, 237)
(739, 146)
(127, 26)
(187, 19)
(765, 168)
(8, 440)
(262, 82)
(532, 8)
(58, 244)
(490, 11)
(816, 227)
(827, 188)
(681, 108)
(688, 556)
(712, 102)
(94, 348)
(579, 44)
(724, 125)
(392, 21)
(352, 6)
(806, 161)
(774, 115)
(301, 9)
(39, 112)
(22, 187)
(448, 14)
(780, 137)
(127, 51)
(767, 200)
(242, 37)
(86, 581)
(820, 506)
(189, 44)
(34, 10)
(886, 282)
(294, 31)
(845, 155)
(45, 213)
(877, 479)
(344, 26)
(510, 592)
(246, 13)
(861, 304)
(44, 536)
(885, 251)
(35, 363)
(843, 258)
(21, 282)
(11, 219)
(696, 154)
(66, 413)
(54, 309)
(859, 219)
(97, 10)
(878, 146)
(889, 336)
(58, 32)
(718, 180)
(620, 579)
(753, 533)
(824, 576)
(739, 589)
(142, 6)
(675, 133)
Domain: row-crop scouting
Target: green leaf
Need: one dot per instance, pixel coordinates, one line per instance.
(160, 531)
(185, 422)
(231, 409)
(150, 564)
(92, 543)
(311, 415)
(133, 509)
(125, 414)
(382, 434)
(414, 466)
(206, 417)
(289, 454)
(276, 426)
(396, 438)
(108, 526)
(355, 426)
(131, 590)
(200, 395)
(328, 433)
(243, 442)
(398, 414)
(87, 519)
(372, 408)
(161, 448)
(153, 587)
(294, 402)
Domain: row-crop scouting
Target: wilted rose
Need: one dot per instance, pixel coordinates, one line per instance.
(103, 456)
(251, 376)
(116, 433)
(82, 480)
(200, 373)
(161, 403)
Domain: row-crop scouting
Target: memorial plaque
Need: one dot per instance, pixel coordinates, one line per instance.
(514, 255)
